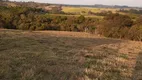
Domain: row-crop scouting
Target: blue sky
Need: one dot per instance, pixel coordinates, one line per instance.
(92, 2)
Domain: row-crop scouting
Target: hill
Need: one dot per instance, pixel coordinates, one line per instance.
(58, 55)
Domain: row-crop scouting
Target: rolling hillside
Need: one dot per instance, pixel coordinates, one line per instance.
(54, 55)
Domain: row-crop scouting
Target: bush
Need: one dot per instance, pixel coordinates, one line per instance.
(113, 25)
(81, 19)
(135, 33)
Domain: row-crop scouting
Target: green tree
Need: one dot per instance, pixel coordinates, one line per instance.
(81, 19)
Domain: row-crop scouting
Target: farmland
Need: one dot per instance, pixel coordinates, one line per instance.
(87, 9)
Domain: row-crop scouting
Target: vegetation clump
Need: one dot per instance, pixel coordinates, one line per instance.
(113, 25)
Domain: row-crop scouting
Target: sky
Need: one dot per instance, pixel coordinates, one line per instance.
(137, 3)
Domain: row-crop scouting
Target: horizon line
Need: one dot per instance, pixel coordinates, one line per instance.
(77, 4)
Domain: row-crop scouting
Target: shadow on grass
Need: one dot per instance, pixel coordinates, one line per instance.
(80, 41)
(137, 73)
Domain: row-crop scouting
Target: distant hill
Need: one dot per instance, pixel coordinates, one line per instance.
(42, 5)
(99, 6)
(21, 4)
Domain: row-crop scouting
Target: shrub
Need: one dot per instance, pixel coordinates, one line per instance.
(135, 33)
(113, 24)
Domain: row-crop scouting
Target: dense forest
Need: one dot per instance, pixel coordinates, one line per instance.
(113, 25)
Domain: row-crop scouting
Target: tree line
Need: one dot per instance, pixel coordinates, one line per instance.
(134, 11)
(26, 18)
(121, 26)
(112, 25)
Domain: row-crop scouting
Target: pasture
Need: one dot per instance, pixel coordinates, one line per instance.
(58, 55)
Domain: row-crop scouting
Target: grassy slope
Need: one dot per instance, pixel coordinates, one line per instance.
(86, 9)
(79, 10)
(49, 55)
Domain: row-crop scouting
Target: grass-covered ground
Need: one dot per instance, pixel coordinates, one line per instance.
(84, 11)
(86, 16)
(49, 55)
(87, 9)
(95, 10)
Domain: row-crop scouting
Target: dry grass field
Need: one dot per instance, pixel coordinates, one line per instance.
(84, 11)
(50, 55)
(87, 9)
